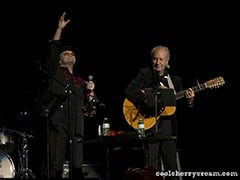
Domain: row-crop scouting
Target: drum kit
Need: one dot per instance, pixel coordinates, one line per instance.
(8, 146)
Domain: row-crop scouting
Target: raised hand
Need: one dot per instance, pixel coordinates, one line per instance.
(62, 22)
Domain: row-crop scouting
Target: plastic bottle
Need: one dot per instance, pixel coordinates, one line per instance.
(65, 173)
(99, 130)
(106, 127)
(141, 129)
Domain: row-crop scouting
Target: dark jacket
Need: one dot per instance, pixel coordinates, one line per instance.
(68, 91)
(147, 79)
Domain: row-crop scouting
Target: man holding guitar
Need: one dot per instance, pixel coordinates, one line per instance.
(141, 92)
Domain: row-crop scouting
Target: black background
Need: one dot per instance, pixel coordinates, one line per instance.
(115, 39)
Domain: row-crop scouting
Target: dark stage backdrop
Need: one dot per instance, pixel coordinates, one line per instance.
(115, 39)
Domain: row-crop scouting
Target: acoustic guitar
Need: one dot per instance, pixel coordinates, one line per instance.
(132, 114)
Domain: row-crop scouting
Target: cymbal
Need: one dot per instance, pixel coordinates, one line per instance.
(20, 133)
(7, 142)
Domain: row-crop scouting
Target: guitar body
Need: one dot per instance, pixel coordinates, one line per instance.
(133, 114)
(168, 111)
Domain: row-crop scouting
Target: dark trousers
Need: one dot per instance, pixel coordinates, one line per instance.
(165, 151)
(61, 149)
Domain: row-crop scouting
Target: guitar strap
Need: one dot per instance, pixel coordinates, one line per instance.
(170, 83)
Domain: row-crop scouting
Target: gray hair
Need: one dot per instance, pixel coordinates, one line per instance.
(162, 48)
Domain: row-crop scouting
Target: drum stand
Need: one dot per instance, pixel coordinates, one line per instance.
(24, 171)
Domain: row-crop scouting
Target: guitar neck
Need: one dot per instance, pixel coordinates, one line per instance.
(197, 88)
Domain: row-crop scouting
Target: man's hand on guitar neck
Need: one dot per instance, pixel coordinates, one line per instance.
(189, 94)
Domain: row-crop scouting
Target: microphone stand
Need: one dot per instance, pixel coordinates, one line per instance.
(156, 127)
(156, 110)
(68, 91)
(47, 112)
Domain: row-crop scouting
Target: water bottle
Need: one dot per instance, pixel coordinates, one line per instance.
(141, 129)
(106, 127)
(65, 173)
(99, 130)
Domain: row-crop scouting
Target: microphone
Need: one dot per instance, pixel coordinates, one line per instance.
(89, 91)
(90, 109)
(90, 77)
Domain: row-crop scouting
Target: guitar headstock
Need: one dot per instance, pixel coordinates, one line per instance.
(215, 83)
